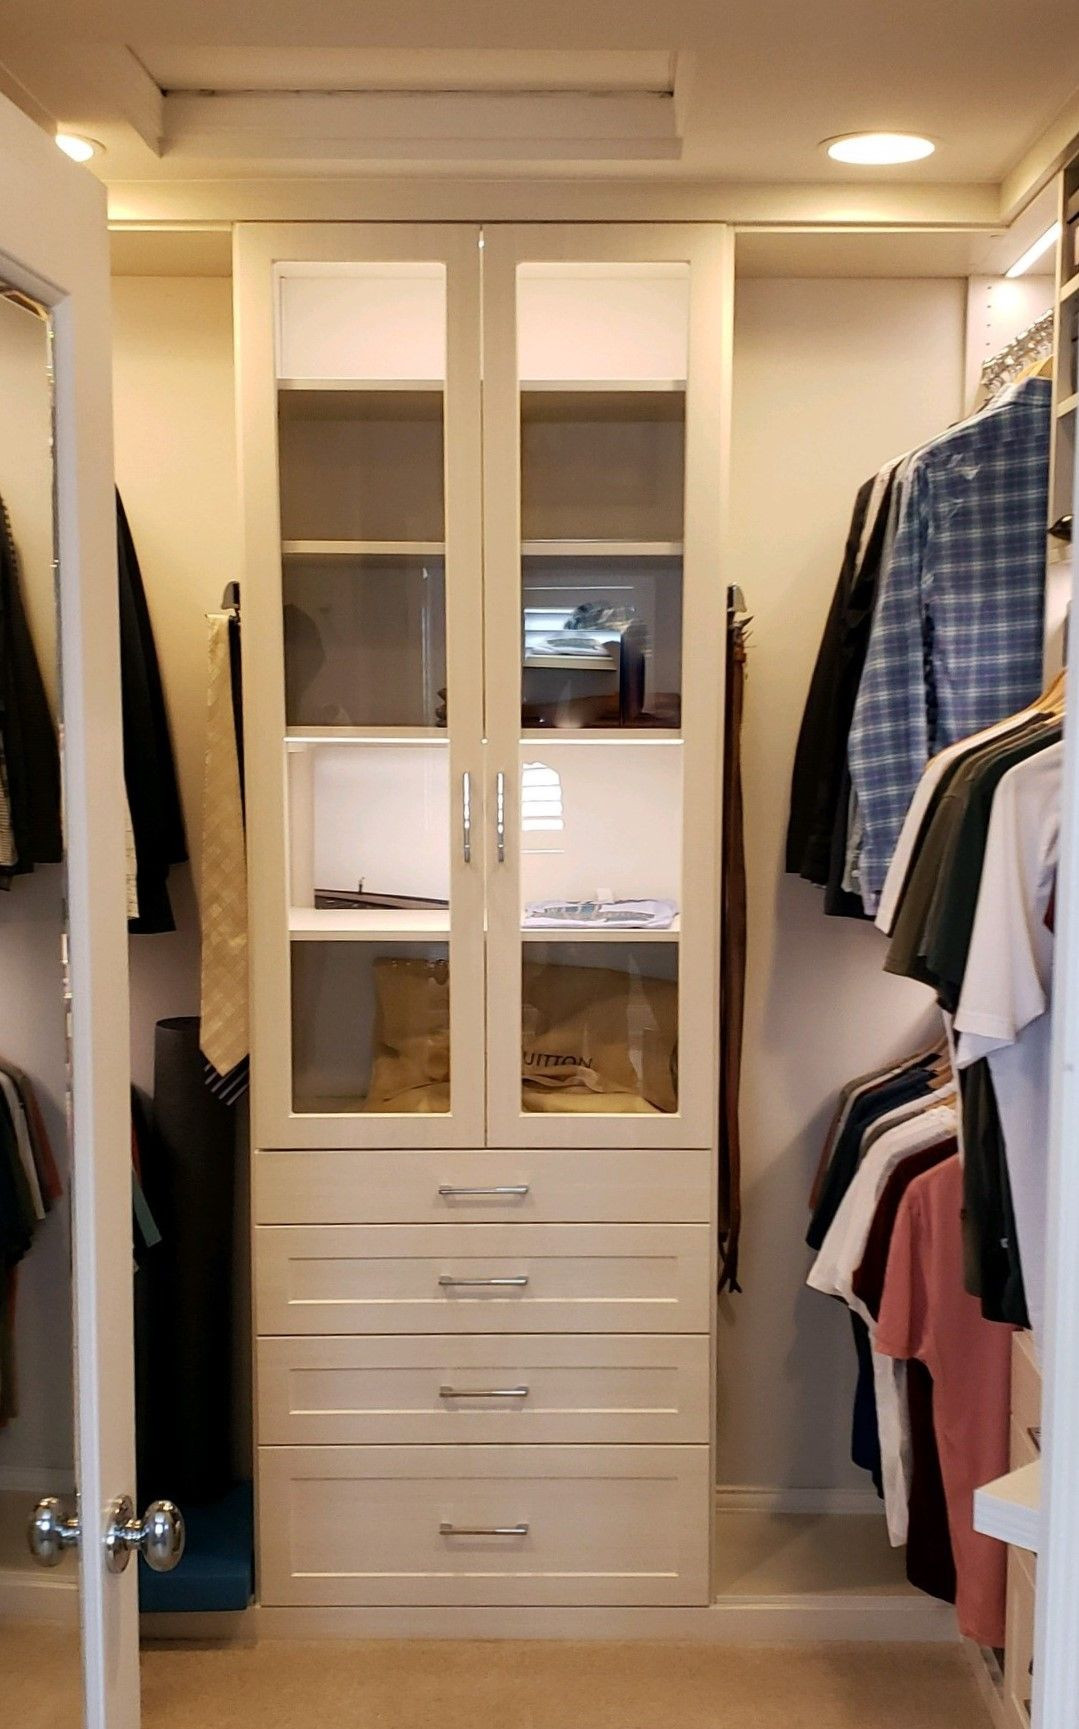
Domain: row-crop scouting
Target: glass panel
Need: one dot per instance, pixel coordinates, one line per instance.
(369, 824)
(40, 1659)
(599, 1027)
(602, 641)
(365, 641)
(361, 465)
(370, 1027)
(602, 361)
(370, 321)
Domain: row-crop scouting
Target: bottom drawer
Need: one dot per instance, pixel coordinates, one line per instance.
(343, 1526)
(1019, 1654)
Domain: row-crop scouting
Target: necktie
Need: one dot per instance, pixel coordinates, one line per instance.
(224, 1033)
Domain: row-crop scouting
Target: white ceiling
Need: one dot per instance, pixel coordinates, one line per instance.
(696, 91)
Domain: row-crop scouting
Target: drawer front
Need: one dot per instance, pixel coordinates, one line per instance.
(483, 1278)
(343, 1526)
(605, 1387)
(1026, 1387)
(364, 1188)
(1019, 1652)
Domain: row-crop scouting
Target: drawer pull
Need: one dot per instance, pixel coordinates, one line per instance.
(448, 1530)
(1035, 1436)
(519, 1280)
(450, 1192)
(483, 1392)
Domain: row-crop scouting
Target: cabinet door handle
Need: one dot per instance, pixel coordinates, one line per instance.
(448, 1530)
(483, 1392)
(500, 815)
(519, 1281)
(466, 817)
(450, 1191)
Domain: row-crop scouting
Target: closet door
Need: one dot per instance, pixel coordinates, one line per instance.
(54, 275)
(359, 397)
(606, 390)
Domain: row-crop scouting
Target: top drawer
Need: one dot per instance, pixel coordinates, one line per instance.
(633, 1186)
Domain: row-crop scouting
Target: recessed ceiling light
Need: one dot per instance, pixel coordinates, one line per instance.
(78, 148)
(1033, 253)
(879, 149)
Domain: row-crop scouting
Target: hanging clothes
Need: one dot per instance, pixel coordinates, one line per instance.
(957, 634)
(149, 768)
(223, 888)
(732, 960)
(31, 832)
(29, 1188)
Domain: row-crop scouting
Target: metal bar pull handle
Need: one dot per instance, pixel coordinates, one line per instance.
(466, 817)
(500, 815)
(483, 1392)
(451, 1191)
(448, 1530)
(518, 1281)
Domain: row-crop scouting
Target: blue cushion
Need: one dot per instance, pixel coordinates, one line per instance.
(217, 1571)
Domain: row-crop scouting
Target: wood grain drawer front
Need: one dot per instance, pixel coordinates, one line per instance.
(364, 1188)
(1019, 1651)
(483, 1278)
(1026, 1389)
(591, 1389)
(483, 1525)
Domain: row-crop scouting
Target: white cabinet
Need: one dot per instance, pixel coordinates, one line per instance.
(483, 619)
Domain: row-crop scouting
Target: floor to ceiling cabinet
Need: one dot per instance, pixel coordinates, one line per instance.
(483, 620)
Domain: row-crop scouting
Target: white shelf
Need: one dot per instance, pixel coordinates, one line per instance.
(1067, 406)
(363, 548)
(603, 934)
(341, 384)
(296, 736)
(367, 924)
(614, 386)
(571, 662)
(601, 549)
(1010, 1507)
(560, 735)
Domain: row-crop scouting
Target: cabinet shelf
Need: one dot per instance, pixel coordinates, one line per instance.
(363, 548)
(608, 386)
(1067, 406)
(301, 735)
(605, 735)
(367, 924)
(359, 399)
(601, 549)
(603, 934)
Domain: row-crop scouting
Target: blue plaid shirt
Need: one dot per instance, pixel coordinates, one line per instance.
(958, 631)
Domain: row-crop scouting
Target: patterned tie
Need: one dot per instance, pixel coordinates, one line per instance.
(224, 1034)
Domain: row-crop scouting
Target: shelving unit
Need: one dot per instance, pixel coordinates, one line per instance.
(1059, 584)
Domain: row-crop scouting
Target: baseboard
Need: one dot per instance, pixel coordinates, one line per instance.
(743, 1498)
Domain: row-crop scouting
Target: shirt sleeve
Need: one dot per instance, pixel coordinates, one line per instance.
(889, 739)
(903, 1323)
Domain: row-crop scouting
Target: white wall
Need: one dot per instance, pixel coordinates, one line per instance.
(831, 378)
(176, 470)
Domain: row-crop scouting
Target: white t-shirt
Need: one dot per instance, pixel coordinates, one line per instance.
(1004, 1011)
(833, 1273)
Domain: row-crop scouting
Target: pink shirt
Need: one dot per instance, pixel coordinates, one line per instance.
(927, 1313)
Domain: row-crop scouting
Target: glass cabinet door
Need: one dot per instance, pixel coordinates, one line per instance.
(606, 375)
(361, 614)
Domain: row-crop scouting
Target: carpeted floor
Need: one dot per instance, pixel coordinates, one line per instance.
(548, 1686)
(421, 1685)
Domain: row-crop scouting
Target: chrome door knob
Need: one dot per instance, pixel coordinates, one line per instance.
(159, 1536)
(50, 1532)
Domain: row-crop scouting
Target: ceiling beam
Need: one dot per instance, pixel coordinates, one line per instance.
(1045, 158)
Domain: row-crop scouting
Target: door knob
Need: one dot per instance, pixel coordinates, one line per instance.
(159, 1536)
(50, 1532)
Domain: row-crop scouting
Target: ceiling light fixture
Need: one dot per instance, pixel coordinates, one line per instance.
(878, 149)
(1033, 253)
(78, 148)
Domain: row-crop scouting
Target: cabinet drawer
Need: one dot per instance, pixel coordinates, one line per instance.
(364, 1188)
(483, 1278)
(1019, 1652)
(596, 1388)
(1026, 1387)
(575, 1525)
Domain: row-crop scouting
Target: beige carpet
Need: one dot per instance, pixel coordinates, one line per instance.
(422, 1685)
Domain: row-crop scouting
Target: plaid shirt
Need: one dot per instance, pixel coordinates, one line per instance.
(958, 632)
